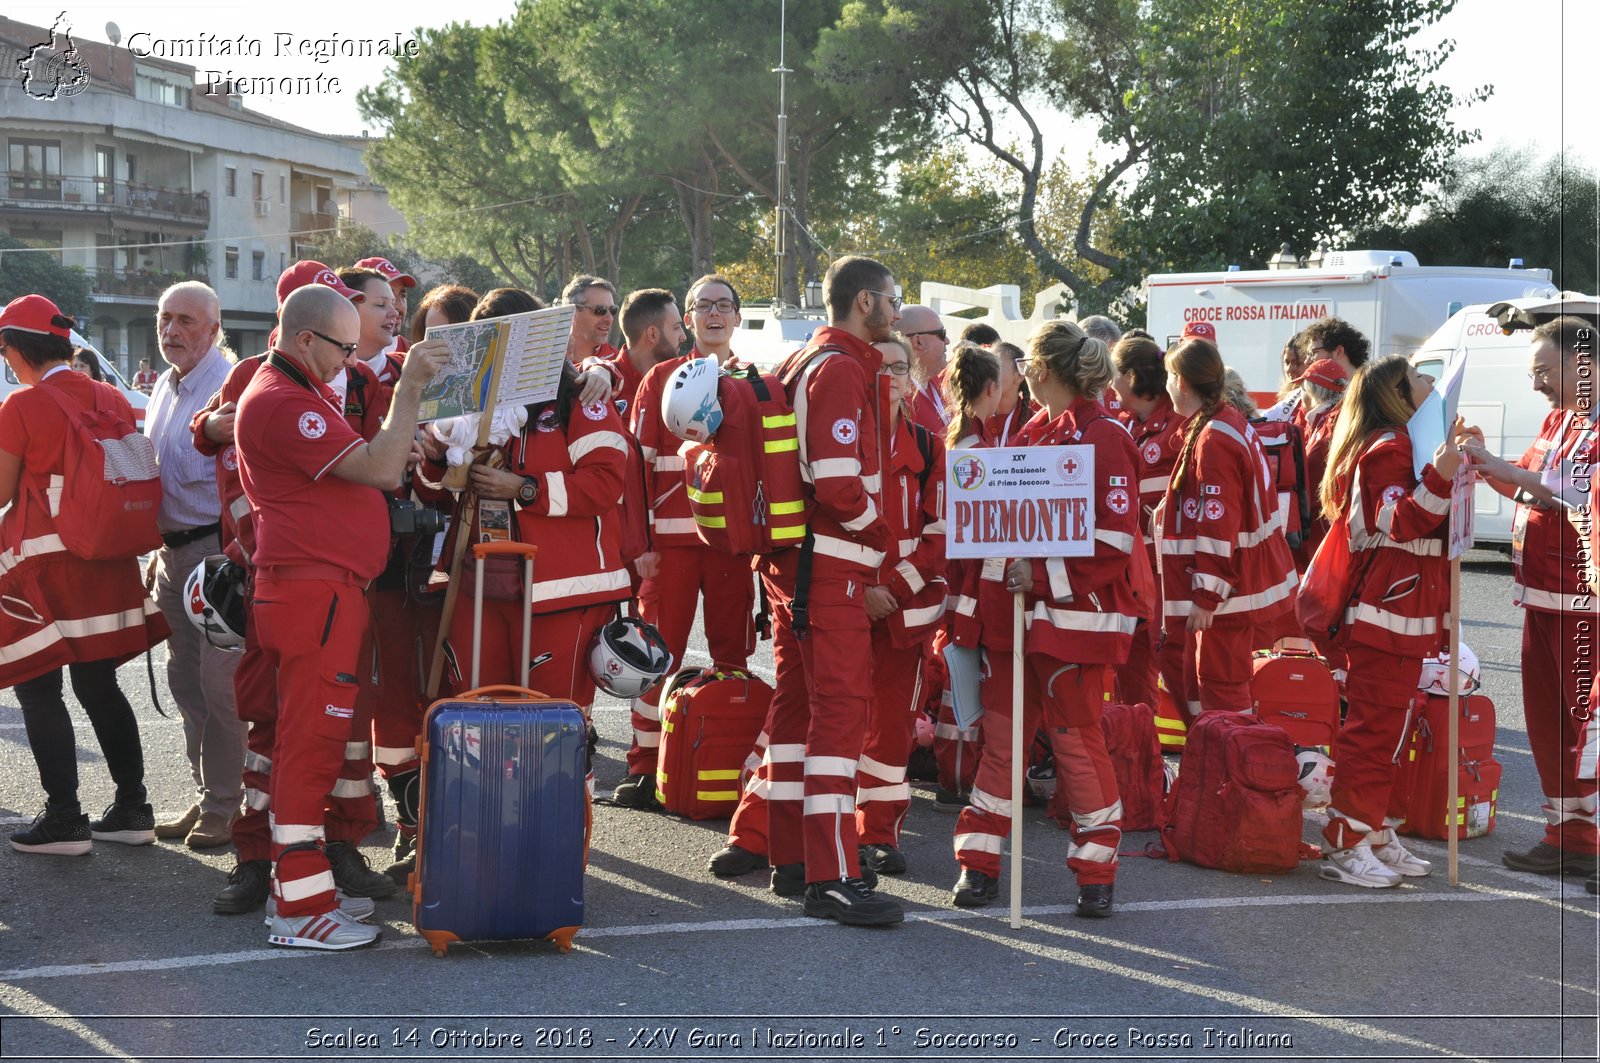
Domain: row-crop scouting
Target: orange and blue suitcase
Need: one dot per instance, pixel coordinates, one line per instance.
(502, 839)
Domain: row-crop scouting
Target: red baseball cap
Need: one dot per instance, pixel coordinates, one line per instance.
(307, 271)
(1326, 373)
(390, 271)
(1199, 330)
(35, 313)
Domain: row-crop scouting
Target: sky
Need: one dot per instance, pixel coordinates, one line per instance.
(1542, 93)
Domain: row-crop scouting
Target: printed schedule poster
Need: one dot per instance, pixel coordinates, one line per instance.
(1028, 502)
(527, 350)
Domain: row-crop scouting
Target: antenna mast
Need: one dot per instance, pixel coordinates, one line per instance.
(781, 181)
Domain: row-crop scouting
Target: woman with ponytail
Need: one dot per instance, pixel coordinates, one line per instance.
(1225, 566)
(972, 395)
(1398, 527)
(1080, 617)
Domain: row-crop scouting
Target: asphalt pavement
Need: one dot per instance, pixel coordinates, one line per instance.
(118, 955)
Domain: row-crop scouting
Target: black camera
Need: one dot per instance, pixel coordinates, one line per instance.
(408, 518)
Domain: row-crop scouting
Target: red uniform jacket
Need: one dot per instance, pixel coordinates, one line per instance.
(671, 521)
(1545, 550)
(1157, 438)
(1398, 529)
(1080, 609)
(1002, 426)
(575, 522)
(914, 572)
(961, 616)
(1221, 539)
(836, 399)
(927, 406)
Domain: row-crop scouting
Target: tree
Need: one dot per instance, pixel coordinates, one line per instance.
(24, 271)
(1505, 205)
(1231, 124)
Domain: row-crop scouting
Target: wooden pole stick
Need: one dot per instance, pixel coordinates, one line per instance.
(463, 530)
(1018, 763)
(1453, 765)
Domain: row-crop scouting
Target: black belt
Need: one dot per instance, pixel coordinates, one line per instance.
(189, 535)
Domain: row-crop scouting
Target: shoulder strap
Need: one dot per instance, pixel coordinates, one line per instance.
(925, 446)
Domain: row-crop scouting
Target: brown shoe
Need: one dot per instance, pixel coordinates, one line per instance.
(174, 829)
(211, 830)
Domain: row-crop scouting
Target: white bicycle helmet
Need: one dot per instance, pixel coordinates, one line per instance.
(213, 596)
(1436, 673)
(628, 657)
(1316, 778)
(691, 410)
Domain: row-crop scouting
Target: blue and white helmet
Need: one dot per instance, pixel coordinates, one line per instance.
(691, 410)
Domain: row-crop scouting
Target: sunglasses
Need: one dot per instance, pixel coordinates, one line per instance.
(941, 333)
(599, 311)
(347, 348)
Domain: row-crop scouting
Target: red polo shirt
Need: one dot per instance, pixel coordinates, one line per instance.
(290, 435)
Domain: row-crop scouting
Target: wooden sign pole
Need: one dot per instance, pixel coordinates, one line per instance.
(1018, 762)
(1453, 765)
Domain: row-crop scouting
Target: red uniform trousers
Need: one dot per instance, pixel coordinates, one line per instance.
(1218, 665)
(748, 828)
(399, 630)
(1151, 657)
(817, 726)
(882, 794)
(558, 642)
(1557, 659)
(311, 631)
(667, 600)
(1381, 691)
(351, 809)
(1069, 698)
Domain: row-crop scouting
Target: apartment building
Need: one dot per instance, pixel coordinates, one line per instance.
(142, 180)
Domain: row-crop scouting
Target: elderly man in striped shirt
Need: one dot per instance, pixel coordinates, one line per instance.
(189, 331)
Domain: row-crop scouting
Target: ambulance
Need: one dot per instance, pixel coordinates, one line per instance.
(1496, 394)
(1395, 302)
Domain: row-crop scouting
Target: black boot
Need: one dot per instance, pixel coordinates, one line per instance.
(1094, 901)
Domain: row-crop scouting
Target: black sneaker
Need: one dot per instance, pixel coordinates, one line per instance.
(731, 861)
(405, 856)
(353, 875)
(1094, 901)
(789, 880)
(949, 800)
(852, 902)
(56, 834)
(128, 824)
(974, 889)
(884, 859)
(637, 791)
(248, 885)
(1592, 883)
(1546, 859)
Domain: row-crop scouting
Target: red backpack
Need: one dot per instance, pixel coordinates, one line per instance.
(744, 485)
(1135, 750)
(1424, 769)
(1293, 687)
(710, 720)
(112, 490)
(1236, 804)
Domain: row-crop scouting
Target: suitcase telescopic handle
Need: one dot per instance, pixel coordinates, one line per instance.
(500, 549)
(497, 688)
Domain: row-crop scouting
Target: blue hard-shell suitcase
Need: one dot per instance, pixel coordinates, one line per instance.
(503, 837)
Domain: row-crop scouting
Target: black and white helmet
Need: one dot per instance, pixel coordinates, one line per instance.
(213, 597)
(628, 657)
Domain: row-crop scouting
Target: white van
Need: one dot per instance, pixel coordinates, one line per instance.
(136, 398)
(1496, 394)
(1392, 300)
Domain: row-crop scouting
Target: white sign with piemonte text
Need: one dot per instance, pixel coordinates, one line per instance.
(1022, 502)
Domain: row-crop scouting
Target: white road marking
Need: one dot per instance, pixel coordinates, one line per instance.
(1404, 895)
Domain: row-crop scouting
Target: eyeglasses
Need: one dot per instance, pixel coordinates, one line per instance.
(941, 333)
(599, 311)
(347, 348)
(894, 300)
(897, 368)
(721, 306)
(1540, 376)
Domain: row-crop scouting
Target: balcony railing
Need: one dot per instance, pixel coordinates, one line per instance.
(309, 220)
(99, 195)
(146, 283)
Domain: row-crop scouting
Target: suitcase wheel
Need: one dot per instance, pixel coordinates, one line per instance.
(440, 940)
(562, 938)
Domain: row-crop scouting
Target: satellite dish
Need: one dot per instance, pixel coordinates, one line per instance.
(113, 34)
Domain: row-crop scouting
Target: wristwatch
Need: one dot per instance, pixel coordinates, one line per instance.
(528, 493)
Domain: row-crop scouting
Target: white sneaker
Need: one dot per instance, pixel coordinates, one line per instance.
(1396, 857)
(330, 930)
(358, 908)
(1359, 867)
